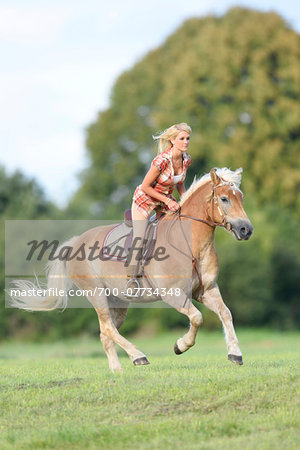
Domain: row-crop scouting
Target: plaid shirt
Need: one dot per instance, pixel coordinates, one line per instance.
(164, 183)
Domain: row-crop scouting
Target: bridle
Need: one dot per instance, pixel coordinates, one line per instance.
(211, 223)
(214, 201)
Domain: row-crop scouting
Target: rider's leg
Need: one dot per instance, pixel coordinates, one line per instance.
(139, 222)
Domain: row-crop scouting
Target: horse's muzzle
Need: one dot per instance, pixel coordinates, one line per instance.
(242, 229)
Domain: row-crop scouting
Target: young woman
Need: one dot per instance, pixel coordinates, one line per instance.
(168, 169)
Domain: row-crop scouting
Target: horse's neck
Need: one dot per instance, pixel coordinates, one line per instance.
(196, 206)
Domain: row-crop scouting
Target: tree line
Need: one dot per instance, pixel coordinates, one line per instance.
(235, 80)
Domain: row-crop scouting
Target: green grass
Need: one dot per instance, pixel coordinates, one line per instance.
(63, 396)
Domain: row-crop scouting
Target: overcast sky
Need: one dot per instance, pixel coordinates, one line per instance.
(59, 60)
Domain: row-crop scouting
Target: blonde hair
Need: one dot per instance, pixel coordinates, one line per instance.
(164, 138)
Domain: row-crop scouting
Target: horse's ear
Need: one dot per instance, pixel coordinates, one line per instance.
(214, 177)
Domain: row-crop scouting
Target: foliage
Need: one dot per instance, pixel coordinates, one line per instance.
(258, 278)
(235, 80)
(20, 199)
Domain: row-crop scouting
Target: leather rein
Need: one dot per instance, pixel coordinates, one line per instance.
(211, 223)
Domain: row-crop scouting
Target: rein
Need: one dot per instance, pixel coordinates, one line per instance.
(207, 222)
(177, 216)
(211, 223)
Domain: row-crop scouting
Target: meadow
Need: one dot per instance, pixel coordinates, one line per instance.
(62, 394)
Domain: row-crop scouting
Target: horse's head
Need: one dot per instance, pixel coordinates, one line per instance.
(226, 205)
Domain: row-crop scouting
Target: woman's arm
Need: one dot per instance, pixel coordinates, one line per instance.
(150, 177)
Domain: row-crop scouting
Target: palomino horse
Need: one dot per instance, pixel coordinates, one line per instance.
(214, 200)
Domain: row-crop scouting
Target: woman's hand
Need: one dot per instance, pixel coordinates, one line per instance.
(172, 205)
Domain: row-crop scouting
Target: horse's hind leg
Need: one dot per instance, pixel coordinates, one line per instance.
(118, 316)
(109, 329)
(212, 299)
(186, 307)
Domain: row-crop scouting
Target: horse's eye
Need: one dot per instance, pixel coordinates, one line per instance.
(224, 199)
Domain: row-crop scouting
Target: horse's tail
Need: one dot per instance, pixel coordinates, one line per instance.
(33, 297)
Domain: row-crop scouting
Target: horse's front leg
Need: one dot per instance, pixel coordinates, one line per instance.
(212, 299)
(184, 305)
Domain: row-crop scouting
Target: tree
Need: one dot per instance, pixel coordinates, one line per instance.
(235, 80)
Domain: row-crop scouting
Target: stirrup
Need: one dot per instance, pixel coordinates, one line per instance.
(134, 291)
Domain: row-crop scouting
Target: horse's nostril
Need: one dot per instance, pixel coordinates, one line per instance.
(245, 232)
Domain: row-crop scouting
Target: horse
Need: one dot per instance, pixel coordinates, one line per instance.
(188, 271)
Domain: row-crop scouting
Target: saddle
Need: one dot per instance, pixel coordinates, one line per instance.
(117, 242)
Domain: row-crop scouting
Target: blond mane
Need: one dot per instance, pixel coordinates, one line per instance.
(227, 175)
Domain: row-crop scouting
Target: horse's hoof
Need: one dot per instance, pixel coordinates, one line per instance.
(236, 359)
(141, 361)
(176, 349)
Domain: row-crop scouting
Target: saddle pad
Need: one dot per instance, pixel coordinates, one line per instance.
(117, 242)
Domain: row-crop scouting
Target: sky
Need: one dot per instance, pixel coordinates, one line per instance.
(59, 61)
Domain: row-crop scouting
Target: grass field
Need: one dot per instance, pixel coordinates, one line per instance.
(63, 396)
